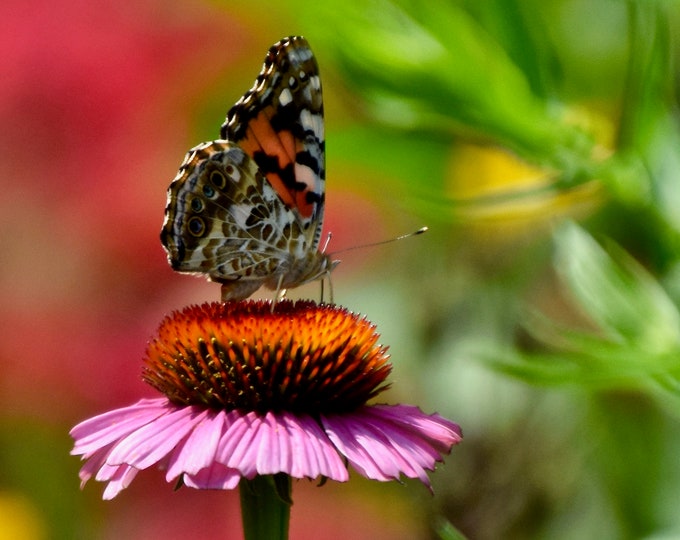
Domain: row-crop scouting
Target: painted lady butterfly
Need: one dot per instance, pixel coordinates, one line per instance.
(247, 210)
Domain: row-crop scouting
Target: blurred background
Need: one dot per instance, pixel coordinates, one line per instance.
(538, 139)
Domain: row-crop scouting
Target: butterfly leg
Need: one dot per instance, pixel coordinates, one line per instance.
(280, 293)
(327, 275)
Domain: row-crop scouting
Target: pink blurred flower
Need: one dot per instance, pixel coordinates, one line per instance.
(250, 392)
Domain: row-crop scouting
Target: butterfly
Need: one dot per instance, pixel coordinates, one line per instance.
(246, 210)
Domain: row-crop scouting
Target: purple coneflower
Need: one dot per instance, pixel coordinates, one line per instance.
(251, 394)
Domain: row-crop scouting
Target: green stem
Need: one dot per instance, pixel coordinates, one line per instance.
(265, 507)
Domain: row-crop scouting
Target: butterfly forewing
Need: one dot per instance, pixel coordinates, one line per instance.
(279, 122)
(247, 210)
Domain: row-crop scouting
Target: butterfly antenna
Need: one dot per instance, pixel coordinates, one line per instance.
(381, 242)
(328, 241)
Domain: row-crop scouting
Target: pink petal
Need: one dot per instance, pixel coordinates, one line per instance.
(197, 451)
(216, 476)
(273, 449)
(383, 442)
(152, 442)
(92, 465)
(315, 452)
(393, 454)
(345, 440)
(280, 442)
(111, 426)
(441, 433)
(236, 447)
(215, 449)
(119, 480)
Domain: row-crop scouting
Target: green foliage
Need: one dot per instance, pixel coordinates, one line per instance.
(633, 335)
(433, 66)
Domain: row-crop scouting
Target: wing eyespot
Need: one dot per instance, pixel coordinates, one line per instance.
(208, 191)
(218, 180)
(196, 227)
(197, 205)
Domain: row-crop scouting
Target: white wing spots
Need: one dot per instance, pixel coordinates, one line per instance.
(285, 97)
(306, 175)
(233, 172)
(240, 213)
(306, 53)
(312, 121)
(297, 246)
(204, 145)
(301, 54)
(269, 193)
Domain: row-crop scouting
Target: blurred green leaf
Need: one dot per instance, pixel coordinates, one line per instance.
(648, 89)
(431, 65)
(634, 343)
(446, 531)
(650, 129)
(424, 157)
(522, 31)
(625, 301)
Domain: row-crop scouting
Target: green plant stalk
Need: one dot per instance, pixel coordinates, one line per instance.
(265, 507)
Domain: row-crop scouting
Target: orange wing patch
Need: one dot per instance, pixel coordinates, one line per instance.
(262, 140)
(279, 123)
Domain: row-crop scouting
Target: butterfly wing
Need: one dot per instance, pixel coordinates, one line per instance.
(247, 209)
(279, 123)
(225, 220)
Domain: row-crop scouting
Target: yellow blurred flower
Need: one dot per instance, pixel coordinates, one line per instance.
(494, 191)
(19, 518)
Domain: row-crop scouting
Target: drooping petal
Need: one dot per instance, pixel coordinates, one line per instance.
(155, 440)
(317, 453)
(236, 447)
(93, 463)
(273, 448)
(397, 432)
(346, 441)
(111, 426)
(197, 451)
(118, 477)
(280, 442)
(384, 442)
(215, 476)
(440, 432)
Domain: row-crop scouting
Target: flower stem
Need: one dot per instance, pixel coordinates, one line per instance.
(265, 507)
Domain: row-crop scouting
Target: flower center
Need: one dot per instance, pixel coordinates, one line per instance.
(303, 357)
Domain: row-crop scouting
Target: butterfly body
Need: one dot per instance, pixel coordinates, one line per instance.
(246, 210)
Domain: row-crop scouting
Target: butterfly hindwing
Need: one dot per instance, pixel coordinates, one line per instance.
(228, 217)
